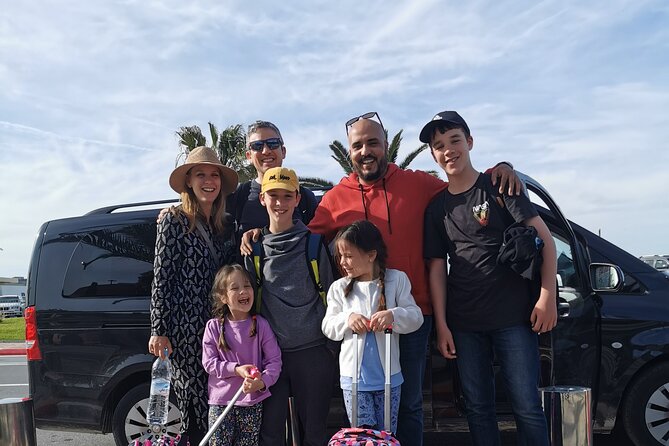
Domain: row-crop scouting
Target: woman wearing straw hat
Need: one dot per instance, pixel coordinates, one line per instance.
(189, 251)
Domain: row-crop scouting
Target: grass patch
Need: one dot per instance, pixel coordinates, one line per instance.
(12, 329)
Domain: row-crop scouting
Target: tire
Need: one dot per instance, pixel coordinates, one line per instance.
(129, 419)
(645, 408)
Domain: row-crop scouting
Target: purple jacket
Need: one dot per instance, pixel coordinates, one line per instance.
(261, 350)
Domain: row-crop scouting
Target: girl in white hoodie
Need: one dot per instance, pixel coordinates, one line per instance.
(366, 300)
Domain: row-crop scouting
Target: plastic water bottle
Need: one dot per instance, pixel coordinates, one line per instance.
(161, 375)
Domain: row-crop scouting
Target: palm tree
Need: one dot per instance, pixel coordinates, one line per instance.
(231, 149)
(315, 182)
(341, 154)
(230, 145)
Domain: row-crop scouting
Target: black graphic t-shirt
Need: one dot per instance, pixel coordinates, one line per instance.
(467, 228)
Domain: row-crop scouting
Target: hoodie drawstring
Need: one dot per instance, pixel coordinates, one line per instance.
(385, 193)
(362, 196)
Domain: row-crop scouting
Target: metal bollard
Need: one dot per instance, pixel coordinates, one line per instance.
(568, 415)
(17, 424)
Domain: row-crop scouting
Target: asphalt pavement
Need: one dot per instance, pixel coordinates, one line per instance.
(14, 383)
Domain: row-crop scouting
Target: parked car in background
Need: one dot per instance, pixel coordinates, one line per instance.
(660, 263)
(87, 327)
(10, 306)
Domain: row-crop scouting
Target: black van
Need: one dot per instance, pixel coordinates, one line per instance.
(87, 325)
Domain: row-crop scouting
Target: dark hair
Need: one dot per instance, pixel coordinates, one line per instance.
(444, 126)
(221, 310)
(253, 128)
(366, 237)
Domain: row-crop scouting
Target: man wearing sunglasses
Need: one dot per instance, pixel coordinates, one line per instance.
(395, 201)
(265, 150)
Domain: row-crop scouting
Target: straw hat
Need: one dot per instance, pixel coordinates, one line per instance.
(203, 155)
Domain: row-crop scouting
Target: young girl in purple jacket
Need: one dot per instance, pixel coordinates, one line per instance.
(235, 341)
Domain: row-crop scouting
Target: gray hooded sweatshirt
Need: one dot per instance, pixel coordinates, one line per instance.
(290, 302)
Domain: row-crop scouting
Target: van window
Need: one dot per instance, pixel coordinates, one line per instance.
(112, 262)
(566, 272)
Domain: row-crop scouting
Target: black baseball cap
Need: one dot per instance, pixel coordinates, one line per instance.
(445, 116)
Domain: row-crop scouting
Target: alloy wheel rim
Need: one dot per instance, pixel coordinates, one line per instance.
(137, 428)
(657, 414)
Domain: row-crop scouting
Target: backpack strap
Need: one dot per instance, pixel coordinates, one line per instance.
(241, 197)
(313, 251)
(258, 255)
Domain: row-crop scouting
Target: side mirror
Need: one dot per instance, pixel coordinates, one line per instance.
(606, 277)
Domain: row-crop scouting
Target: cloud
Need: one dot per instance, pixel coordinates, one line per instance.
(573, 93)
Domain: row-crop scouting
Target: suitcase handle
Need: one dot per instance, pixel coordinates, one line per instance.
(387, 390)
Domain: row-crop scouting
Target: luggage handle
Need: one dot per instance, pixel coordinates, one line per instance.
(255, 373)
(387, 391)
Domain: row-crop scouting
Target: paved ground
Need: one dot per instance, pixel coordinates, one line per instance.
(12, 348)
(82, 439)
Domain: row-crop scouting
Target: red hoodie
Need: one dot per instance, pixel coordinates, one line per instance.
(396, 205)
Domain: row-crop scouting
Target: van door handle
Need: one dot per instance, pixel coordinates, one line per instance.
(563, 309)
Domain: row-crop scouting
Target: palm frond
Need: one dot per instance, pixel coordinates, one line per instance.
(231, 146)
(315, 182)
(341, 156)
(213, 131)
(394, 147)
(410, 157)
(190, 137)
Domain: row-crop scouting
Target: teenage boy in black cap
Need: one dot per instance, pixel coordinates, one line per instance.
(490, 310)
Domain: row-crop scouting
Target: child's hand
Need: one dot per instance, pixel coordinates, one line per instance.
(252, 385)
(358, 323)
(381, 320)
(244, 371)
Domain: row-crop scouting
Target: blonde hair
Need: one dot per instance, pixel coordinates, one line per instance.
(220, 309)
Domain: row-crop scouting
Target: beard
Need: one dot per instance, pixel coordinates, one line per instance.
(382, 167)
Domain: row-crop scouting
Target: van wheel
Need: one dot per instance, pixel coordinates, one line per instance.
(129, 419)
(646, 406)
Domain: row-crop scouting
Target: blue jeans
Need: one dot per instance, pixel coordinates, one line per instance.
(517, 350)
(413, 352)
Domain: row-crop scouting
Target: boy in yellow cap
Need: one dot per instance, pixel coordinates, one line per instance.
(289, 299)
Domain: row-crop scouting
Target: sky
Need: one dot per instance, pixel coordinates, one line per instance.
(573, 93)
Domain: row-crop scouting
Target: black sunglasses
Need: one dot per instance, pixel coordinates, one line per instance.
(272, 143)
(369, 115)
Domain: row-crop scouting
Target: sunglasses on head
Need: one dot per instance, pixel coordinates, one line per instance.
(271, 143)
(370, 115)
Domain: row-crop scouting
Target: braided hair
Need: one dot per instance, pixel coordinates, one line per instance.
(366, 237)
(220, 309)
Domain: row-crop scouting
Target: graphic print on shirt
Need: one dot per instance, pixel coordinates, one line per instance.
(481, 213)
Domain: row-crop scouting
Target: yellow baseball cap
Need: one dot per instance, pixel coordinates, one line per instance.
(280, 178)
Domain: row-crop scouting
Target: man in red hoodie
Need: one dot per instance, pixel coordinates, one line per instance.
(395, 201)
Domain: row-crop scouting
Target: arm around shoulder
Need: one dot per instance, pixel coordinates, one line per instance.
(323, 222)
